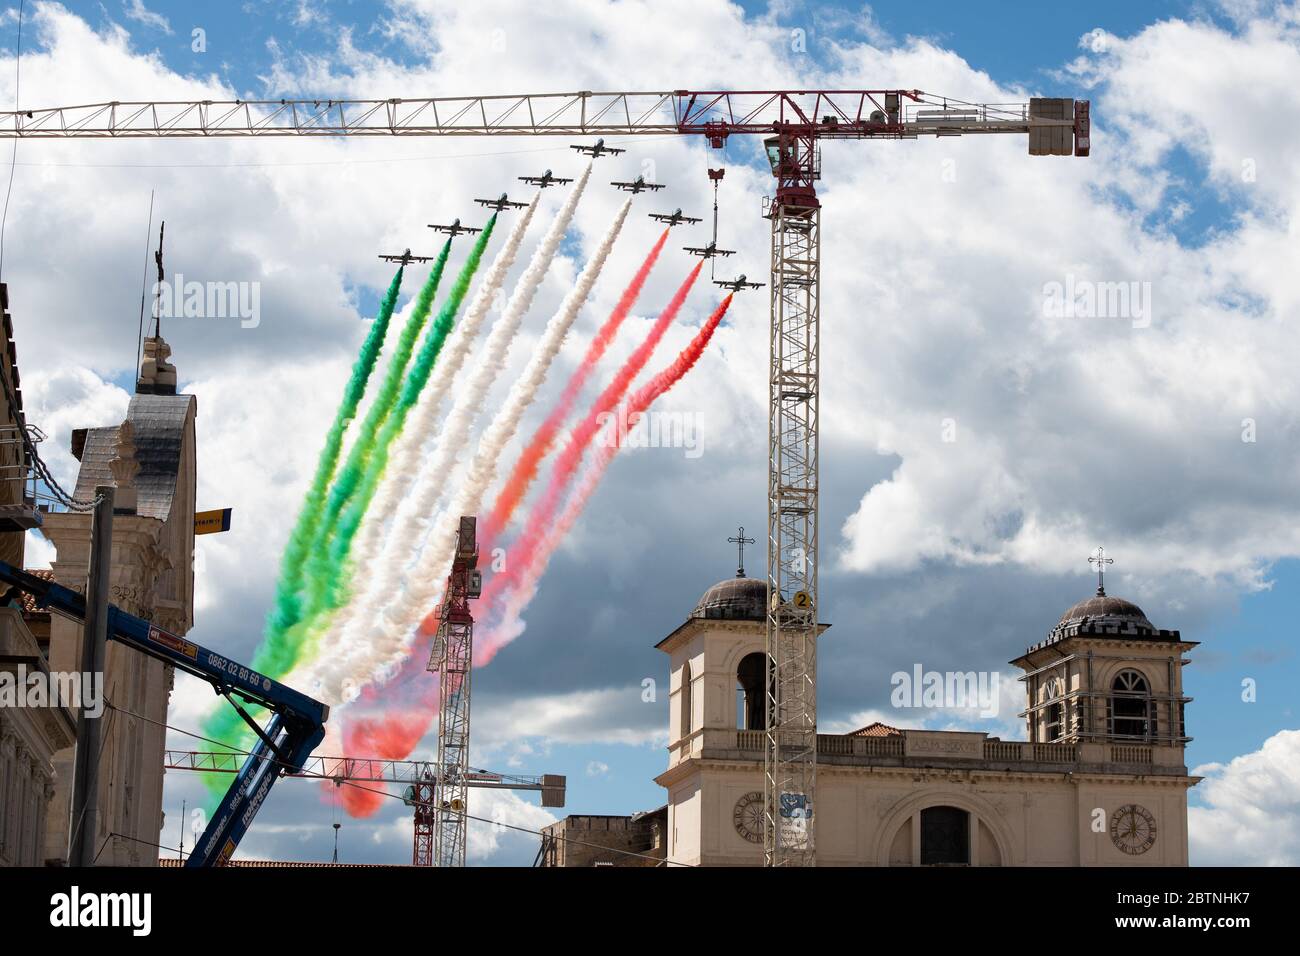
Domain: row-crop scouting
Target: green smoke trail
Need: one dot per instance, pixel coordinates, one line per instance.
(274, 656)
(350, 520)
(355, 467)
(357, 480)
(287, 608)
(324, 586)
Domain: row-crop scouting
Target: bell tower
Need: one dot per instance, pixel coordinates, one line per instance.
(1106, 674)
(716, 723)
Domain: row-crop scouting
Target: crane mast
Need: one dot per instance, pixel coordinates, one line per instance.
(793, 123)
(790, 739)
(440, 833)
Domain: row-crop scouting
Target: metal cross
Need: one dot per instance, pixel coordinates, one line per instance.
(1101, 561)
(740, 543)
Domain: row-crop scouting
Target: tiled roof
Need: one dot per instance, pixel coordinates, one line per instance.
(876, 729)
(29, 601)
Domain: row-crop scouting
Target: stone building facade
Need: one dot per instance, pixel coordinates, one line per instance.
(150, 459)
(29, 735)
(601, 840)
(1100, 781)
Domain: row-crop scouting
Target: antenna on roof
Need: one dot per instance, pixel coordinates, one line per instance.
(144, 286)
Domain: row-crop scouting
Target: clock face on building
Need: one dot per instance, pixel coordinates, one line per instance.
(748, 816)
(1133, 829)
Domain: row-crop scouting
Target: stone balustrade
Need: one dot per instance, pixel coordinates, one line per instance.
(919, 746)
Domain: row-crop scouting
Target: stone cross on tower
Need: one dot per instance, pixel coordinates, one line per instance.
(740, 542)
(1101, 561)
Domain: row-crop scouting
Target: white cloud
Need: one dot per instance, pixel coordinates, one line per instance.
(502, 817)
(136, 10)
(1250, 808)
(59, 400)
(1068, 431)
(998, 719)
(614, 715)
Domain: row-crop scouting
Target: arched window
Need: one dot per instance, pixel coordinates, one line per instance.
(1054, 713)
(1130, 705)
(750, 703)
(687, 700)
(945, 836)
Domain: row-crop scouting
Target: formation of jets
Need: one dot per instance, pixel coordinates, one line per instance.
(455, 229)
(547, 178)
(674, 218)
(636, 185)
(709, 251)
(544, 180)
(501, 203)
(737, 284)
(405, 258)
(600, 149)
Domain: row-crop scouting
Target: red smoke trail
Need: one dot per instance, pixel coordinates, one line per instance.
(512, 492)
(491, 640)
(412, 704)
(522, 550)
(391, 731)
(530, 458)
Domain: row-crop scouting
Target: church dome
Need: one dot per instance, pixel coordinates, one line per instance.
(1102, 608)
(735, 599)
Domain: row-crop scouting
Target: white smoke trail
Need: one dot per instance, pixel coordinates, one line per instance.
(522, 593)
(409, 447)
(425, 580)
(378, 631)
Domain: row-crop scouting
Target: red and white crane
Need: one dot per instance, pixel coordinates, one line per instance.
(792, 122)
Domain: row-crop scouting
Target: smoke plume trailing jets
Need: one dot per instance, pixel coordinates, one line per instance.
(600, 149)
(544, 180)
(636, 185)
(737, 284)
(501, 203)
(405, 258)
(674, 218)
(455, 229)
(709, 251)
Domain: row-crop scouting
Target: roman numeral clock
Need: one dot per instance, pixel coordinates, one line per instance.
(1133, 829)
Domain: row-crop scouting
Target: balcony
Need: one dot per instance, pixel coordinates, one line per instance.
(956, 749)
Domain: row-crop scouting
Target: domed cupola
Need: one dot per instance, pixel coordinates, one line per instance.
(735, 599)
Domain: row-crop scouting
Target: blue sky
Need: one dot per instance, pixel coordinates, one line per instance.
(1163, 207)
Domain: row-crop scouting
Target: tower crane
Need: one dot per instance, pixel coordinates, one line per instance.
(792, 124)
(451, 657)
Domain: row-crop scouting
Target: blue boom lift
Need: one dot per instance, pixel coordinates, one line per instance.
(296, 726)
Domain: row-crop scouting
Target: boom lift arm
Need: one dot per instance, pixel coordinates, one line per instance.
(296, 727)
